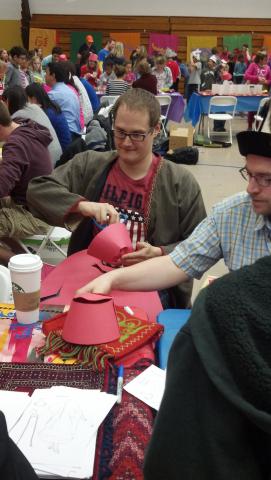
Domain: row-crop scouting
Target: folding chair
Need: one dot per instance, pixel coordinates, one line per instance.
(56, 236)
(108, 99)
(164, 101)
(258, 118)
(225, 106)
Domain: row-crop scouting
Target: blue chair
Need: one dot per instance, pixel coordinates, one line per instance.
(173, 320)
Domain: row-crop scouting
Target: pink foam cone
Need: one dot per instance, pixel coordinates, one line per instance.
(111, 243)
(91, 320)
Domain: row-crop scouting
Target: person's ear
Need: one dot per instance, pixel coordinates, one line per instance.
(157, 130)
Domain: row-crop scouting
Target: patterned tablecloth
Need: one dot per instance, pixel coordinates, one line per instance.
(120, 450)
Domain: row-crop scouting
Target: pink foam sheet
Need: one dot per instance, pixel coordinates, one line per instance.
(79, 269)
(91, 320)
(111, 243)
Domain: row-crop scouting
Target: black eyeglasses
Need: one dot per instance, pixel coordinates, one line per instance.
(134, 136)
(261, 180)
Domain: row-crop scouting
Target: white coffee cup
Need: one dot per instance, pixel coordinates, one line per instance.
(25, 271)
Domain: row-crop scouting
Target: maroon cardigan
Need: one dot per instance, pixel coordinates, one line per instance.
(148, 82)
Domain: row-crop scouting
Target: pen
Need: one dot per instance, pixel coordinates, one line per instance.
(120, 383)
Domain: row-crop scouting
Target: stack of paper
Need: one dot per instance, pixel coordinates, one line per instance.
(58, 428)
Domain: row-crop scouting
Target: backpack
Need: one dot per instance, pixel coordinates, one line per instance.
(185, 155)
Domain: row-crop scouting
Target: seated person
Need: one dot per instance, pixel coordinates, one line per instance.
(129, 76)
(107, 75)
(214, 419)
(16, 100)
(237, 230)
(92, 95)
(37, 95)
(91, 70)
(162, 73)
(61, 94)
(146, 79)
(162, 200)
(119, 85)
(25, 155)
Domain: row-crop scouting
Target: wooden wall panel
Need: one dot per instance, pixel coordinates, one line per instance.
(102, 23)
(180, 26)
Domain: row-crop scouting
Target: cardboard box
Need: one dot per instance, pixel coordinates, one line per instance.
(180, 136)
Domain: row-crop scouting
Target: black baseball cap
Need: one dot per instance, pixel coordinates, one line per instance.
(255, 143)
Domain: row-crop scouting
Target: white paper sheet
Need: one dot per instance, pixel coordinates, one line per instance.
(57, 432)
(149, 386)
(13, 404)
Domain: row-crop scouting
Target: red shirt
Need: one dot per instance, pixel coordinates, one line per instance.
(87, 72)
(175, 70)
(130, 197)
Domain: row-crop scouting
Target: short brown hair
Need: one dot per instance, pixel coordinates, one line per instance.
(137, 99)
(143, 67)
(5, 119)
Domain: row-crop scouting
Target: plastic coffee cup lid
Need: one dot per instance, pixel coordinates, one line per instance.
(25, 262)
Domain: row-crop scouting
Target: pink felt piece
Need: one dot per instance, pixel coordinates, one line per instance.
(111, 243)
(79, 269)
(91, 320)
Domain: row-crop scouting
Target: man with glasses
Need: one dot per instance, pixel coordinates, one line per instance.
(13, 77)
(237, 230)
(162, 200)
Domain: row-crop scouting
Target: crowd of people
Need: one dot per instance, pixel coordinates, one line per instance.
(238, 67)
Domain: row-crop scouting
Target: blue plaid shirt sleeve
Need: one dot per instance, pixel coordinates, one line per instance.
(200, 251)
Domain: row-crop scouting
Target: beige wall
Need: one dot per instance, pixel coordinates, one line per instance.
(10, 33)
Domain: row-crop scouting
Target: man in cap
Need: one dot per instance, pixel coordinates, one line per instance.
(238, 230)
(214, 419)
(88, 46)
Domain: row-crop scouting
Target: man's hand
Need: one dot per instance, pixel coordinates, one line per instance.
(102, 284)
(102, 212)
(144, 251)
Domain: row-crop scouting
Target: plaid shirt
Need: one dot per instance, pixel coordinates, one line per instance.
(233, 231)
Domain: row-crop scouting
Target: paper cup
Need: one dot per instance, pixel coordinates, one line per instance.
(25, 272)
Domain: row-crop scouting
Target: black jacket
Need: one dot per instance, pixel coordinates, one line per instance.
(13, 464)
(214, 422)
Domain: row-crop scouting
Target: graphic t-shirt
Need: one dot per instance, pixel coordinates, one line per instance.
(129, 197)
